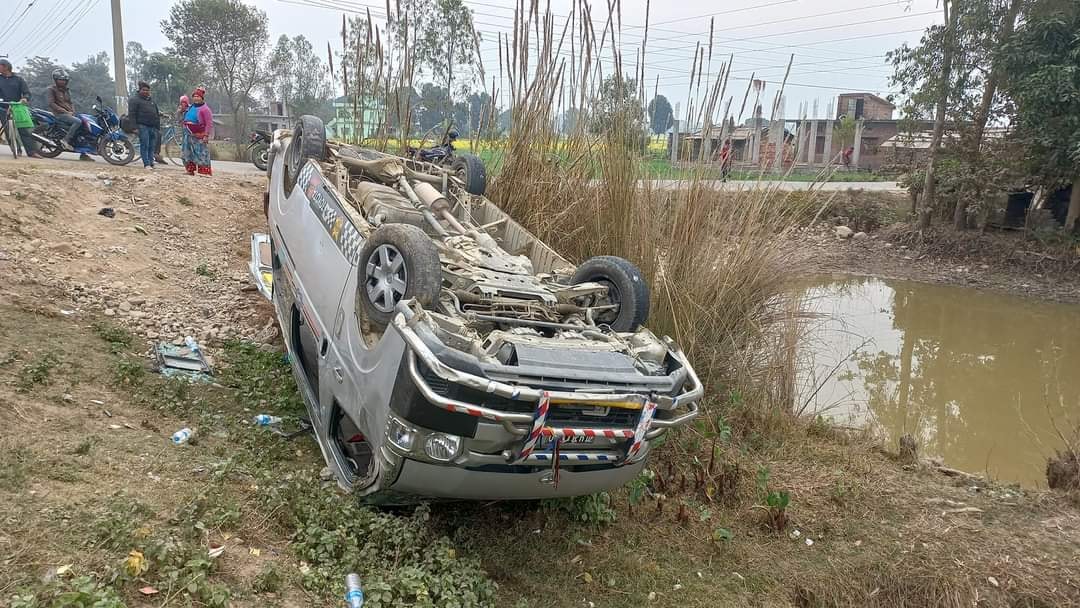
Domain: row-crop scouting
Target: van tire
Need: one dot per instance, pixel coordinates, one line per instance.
(470, 169)
(399, 262)
(626, 288)
(308, 142)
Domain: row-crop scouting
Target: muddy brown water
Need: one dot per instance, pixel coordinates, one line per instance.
(982, 380)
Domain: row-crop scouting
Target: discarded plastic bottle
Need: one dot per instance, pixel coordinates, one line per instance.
(354, 596)
(267, 420)
(192, 344)
(182, 436)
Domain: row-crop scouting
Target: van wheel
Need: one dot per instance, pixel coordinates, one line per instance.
(308, 141)
(470, 169)
(627, 291)
(399, 262)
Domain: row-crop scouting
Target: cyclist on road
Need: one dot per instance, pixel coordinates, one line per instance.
(13, 89)
(60, 104)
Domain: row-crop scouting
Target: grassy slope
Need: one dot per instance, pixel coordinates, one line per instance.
(77, 491)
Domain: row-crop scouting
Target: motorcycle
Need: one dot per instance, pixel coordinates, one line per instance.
(468, 167)
(100, 135)
(260, 149)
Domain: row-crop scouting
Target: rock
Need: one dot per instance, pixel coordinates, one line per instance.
(110, 312)
(136, 301)
(843, 232)
(858, 236)
(125, 306)
(887, 245)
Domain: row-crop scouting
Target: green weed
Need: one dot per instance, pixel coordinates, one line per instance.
(84, 447)
(80, 592)
(591, 509)
(119, 339)
(37, 372)
(185, 201)
(205, 271)
(129, 372)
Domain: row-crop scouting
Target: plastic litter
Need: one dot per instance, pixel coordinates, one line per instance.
(182, 436)
(354, 595)
(267, 420)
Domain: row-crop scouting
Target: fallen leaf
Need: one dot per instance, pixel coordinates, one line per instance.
(140, 229)
(135, 564)
(255, 552)
(216, 551)
(148, 591)
(993, 581)
(62, 570)
(587, 577)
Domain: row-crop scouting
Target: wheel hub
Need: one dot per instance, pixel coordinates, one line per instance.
(387, 278)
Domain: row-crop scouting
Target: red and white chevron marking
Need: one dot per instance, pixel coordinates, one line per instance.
(643, 424)
(609, 433)
(537, 430)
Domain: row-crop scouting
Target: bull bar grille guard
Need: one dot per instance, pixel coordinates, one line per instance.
(649, 426)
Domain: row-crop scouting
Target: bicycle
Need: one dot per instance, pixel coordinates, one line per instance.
(9, 130)
(170, 141)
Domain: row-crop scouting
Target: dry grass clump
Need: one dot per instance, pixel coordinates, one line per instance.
(714, 259)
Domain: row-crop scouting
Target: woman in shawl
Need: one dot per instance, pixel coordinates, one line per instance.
(181, 110)
(198, 124)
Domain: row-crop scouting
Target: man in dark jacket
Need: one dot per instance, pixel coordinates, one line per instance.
(59, 97)
(13, 88)
(144, 110)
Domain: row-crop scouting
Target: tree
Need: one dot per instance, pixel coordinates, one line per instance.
(228, 40)
(1041, 63)
(939, 118)
(434, 108)
(617, 110)
(954, 73)
(442, 39)
(297, 76)
(660, 115)
(171, 75)
(135, 57)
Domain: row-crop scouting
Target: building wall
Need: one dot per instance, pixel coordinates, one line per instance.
(873, 108)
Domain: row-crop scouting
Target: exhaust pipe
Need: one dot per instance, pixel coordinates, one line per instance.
(42, 139)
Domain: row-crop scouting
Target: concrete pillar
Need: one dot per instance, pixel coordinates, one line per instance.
(778, 145)
(827, 157)
(858, 143)
(755, 142)
(674, 142)
(812, 158)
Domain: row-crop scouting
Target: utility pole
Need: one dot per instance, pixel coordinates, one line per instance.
(118, 59)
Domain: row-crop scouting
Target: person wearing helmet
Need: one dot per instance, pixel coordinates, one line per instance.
(60, 104)
(13, 88)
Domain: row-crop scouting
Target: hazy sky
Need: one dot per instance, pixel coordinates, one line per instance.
(839, 45)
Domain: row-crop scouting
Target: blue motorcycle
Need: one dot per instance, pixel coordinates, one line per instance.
(100, 135)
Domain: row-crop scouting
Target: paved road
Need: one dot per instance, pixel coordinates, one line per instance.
(827, 186)
(249, 169)
(68, 159)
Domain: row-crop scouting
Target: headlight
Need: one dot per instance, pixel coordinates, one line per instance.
(400, 435)
(442, 447)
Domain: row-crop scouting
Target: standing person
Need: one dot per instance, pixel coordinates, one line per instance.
(198, 124)
(13, 88)
(58, 96)
(182, 109)
(144, 110)
(725, 160)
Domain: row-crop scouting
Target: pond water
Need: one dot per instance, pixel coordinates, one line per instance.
(982, 380)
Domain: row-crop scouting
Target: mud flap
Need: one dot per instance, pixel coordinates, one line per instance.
(260, 266)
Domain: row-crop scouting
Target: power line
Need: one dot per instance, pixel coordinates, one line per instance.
(58, 39)
(14, 21)
(32, 38)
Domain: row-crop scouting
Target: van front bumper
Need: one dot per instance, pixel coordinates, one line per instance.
(421, 478)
